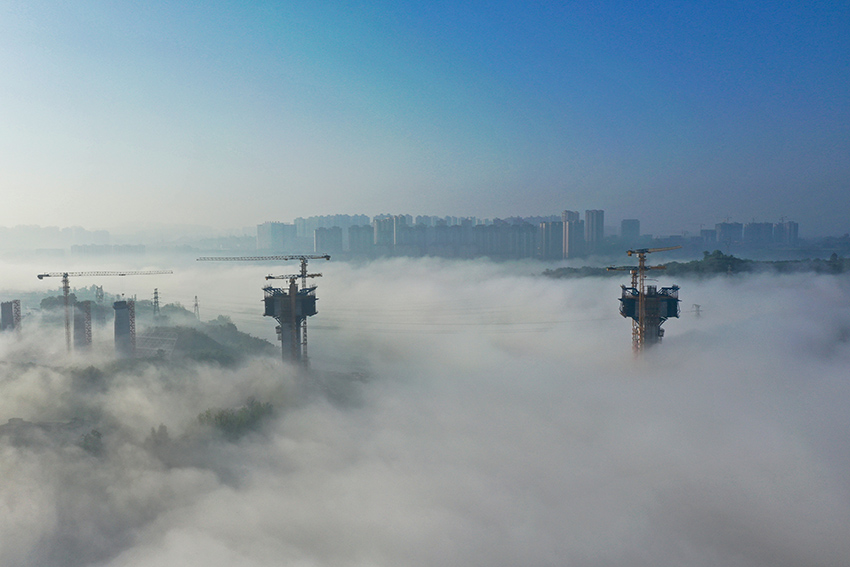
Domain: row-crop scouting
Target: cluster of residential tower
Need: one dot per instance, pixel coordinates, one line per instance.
(566, 236)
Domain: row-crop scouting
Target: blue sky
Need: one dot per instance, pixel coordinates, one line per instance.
(228, 114)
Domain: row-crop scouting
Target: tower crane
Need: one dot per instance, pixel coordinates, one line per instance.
(302, 257)
(647, 306)
(291, 307)
(66, 288)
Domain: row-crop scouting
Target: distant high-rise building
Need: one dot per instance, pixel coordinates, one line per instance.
(552, 240)
(708, 235)
(786, 232)
(384, 232)
(630, 231)
(400, 231)
(728, 232)
(327, 240)
(570, 216)
(758, 233)
(361, 240)
(277, 237)
(594, 229)
(574, 245)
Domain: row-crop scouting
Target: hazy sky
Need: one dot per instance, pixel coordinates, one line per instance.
(233, 113)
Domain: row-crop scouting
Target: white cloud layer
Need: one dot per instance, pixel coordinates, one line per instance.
(496, 419)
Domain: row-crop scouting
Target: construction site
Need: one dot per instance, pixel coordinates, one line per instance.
(647, 305)
(290, 306)
(170, 330)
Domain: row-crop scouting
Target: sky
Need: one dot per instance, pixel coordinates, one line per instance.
(443, 425)
(229, 114)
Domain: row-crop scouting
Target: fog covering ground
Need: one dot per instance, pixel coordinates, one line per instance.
(460, 413)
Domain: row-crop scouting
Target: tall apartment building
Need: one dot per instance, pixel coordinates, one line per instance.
(552, 240)
(572, 245)
(327, 240)
(361, 240)
(758, 233)
(384, 233)
(277, 237)
(786, 232)
(630, 231)
(594, 229)
(728, 232)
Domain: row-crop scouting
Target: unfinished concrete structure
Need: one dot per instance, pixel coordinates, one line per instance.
(290, 308)
(125, 328)
(66, 288)
(10, 315)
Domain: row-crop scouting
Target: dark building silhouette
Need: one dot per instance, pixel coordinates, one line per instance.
(384, 234)
(125, 328)
(729, 232)
(327, 240)
(758, 233)
(786, 232)
(594, 229)
(630, 231)
(10, 315)
(552, 240)
(361, 240)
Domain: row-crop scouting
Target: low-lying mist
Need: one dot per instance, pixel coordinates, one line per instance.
(458, 413)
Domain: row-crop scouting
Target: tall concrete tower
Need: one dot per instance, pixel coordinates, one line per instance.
(290, 307)
(125, 328)
(10, 315)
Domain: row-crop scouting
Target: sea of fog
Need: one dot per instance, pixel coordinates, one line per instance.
(458, 413)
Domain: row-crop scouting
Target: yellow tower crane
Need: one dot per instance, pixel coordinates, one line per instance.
(647, 307)
(66, 289)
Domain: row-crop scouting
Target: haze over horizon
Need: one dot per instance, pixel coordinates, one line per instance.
(227, 115)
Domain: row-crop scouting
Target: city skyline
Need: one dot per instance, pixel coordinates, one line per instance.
(209, 114)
